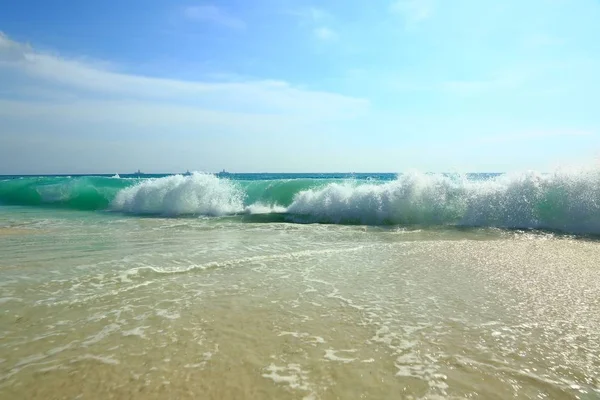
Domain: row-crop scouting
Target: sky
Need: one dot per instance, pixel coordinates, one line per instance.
(294, 86)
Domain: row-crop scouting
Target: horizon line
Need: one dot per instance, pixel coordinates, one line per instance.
(240, 173)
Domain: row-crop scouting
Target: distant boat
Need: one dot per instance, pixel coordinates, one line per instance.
(187, 173)
(138, 173)
(223, 173)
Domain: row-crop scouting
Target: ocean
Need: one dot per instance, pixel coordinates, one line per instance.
(300, 286)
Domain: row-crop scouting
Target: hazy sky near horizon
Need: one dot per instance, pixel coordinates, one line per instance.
(295, 86)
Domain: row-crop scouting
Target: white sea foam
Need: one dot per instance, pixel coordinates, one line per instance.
(292, 375)
(106, 331)
(566, 200)
(137, 331)
(260, 208)
(197, 194)
(331, 355)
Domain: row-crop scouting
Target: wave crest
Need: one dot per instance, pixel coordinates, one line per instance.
(566, 200)
(198, 194)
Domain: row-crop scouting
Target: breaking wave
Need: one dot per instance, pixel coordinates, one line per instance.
(564, 201)
(567, 201)
(198, 194)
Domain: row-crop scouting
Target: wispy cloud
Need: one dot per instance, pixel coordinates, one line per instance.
(11, 51)
(213, 14)
(102, 88)
(325, 34)
(318, 21)
(54, 73)
(60, 99)
(413, 11)
(311, 15)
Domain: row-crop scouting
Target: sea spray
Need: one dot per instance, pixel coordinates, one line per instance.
(565, 200)
(413, 198)
(197, 194)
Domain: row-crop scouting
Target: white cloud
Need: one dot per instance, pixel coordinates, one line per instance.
(326, 34)
(66, 103)
(317, 14)
(311, 15)
(65, 76)
(213, 14)
(318, 21)
(413, 11)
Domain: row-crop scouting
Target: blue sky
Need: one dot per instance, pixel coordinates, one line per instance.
(292, 86)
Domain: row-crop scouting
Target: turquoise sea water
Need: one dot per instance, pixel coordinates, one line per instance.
(306, 286)
(567, 201)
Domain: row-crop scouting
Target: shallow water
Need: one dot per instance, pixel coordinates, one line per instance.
(100, 305)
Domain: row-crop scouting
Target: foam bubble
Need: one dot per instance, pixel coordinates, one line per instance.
(292, 375)
(197, 194)
(260, 208)
(565, 200)
(331, 355)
